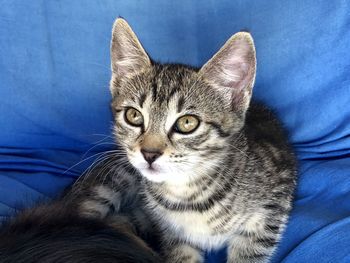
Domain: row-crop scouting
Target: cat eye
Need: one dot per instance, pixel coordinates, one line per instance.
(133, 117)
(186, 124)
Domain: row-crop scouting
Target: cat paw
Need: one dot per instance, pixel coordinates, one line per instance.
(184, 254)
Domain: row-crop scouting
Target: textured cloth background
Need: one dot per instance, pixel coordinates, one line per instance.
(54, 97)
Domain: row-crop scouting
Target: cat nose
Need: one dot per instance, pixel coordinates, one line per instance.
(151, 155)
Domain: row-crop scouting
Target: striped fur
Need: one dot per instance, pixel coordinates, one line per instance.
(231, 181)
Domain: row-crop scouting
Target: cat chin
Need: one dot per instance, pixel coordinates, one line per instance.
(153, 175)
(158, 176)
(160, 173)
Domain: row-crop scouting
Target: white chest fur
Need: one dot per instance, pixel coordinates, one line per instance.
(192, 227)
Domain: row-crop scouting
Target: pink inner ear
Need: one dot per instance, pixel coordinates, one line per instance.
(240, 79)
(232, 70)
(124, 65)
(236, 65)
(128, 56)
(234, 74)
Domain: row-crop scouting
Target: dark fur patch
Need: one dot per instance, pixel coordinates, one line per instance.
(154, 91)
(142, 99)
(180, 104)
(56, 233)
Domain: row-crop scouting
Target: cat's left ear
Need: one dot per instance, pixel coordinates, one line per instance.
(127, 54)
(232, 70)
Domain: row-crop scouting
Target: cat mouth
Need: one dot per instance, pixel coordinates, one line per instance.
(152, 169)
(146, 169)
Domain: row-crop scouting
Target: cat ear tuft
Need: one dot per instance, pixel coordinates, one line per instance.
(232, 70)
(127, 54)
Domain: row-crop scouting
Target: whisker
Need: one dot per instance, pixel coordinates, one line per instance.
(103, 156)
(97, 145)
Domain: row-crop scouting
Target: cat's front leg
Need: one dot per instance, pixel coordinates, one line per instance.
(254, 247)
(104, 193)
(182, 253)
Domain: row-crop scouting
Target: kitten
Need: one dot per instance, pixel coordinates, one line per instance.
(217, 168)
(60, 232)
(212, 167)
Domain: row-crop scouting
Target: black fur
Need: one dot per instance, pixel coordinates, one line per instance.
(55, 233)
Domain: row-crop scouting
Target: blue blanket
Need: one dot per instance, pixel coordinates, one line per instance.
(54, 110)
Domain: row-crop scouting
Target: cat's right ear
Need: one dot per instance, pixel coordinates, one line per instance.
(232, 70)
(127, 54)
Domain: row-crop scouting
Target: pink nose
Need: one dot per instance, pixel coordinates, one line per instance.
(151, 155)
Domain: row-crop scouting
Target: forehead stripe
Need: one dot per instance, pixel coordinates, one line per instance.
(154, 91)
(180, 104)
(142, 99)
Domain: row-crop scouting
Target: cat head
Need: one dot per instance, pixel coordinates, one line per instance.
(176, 122)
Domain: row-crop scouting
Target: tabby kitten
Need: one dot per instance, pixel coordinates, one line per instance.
(217, 169)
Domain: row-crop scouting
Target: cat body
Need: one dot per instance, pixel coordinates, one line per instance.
(245, 210)
(217, 168)
(210, 211)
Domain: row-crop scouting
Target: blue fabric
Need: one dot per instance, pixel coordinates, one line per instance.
(54, 73)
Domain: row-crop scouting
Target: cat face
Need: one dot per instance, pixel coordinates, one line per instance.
(170, 131)
(173, 121)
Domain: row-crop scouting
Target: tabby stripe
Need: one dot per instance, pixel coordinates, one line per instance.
(279, 195)
(203, 183)
(274, 229)
(288, 181)
(205, 205)
(238, 222)
(218, 216)
(208, 148)
(223, 210)
(199, 139)
(173, 91)
(184, 258)
(106, 202)
(256, 255)
(180, 104)
(218, 129)
(276, 207)
(154, 91)
(142, 99)
(221, 228)
(181, 206)
(267, 241)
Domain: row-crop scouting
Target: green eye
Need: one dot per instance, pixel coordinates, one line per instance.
(133, 117)
(186, 124)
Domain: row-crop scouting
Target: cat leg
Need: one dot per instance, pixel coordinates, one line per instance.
(105, 193)
(182, 253)
(254, 246)
(100, 202)
(251, 249)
